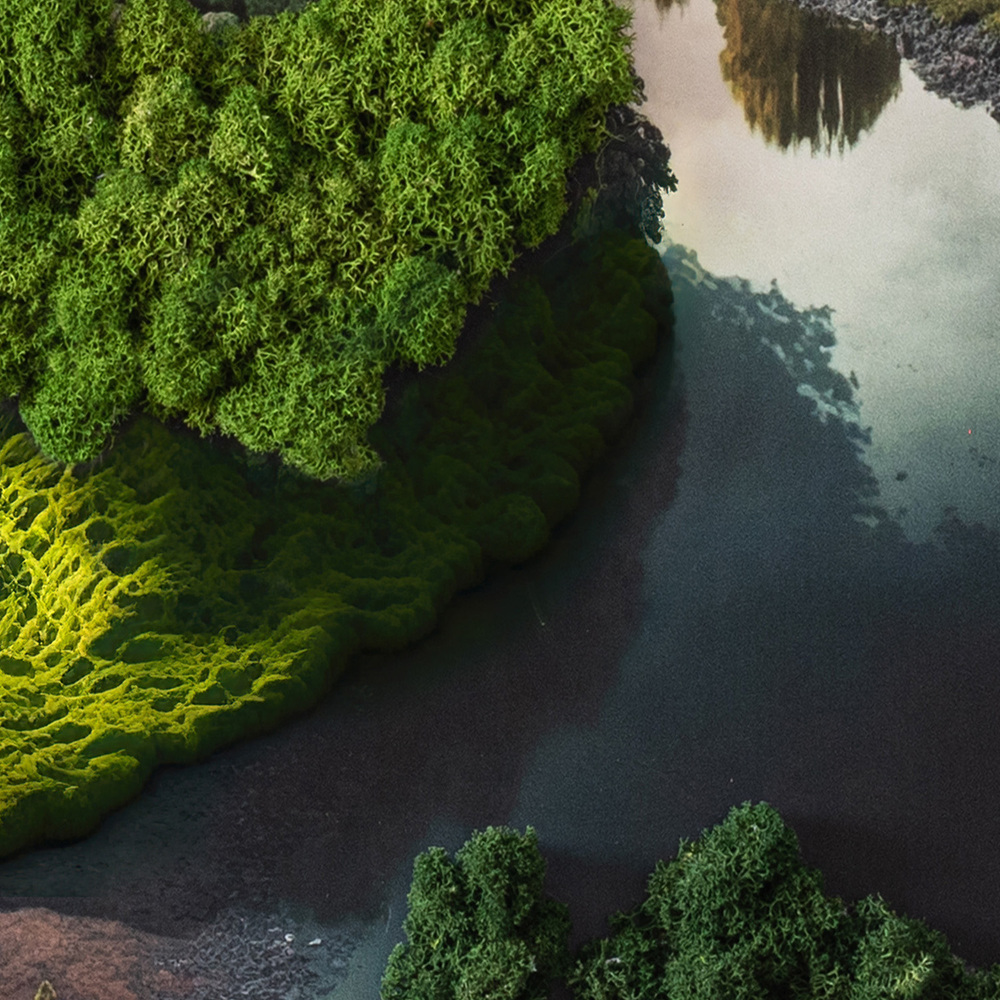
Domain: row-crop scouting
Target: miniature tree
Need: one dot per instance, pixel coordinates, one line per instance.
(478, 927)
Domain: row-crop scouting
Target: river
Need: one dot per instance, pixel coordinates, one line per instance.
(783, 585)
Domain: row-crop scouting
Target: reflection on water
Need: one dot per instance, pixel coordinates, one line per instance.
(900, 241)
(801, 77)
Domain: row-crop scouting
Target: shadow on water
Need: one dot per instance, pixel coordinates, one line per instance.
(795, 647)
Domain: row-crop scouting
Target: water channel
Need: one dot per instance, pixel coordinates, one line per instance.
(783, 585)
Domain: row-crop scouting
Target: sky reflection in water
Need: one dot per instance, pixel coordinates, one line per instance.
(887, 211)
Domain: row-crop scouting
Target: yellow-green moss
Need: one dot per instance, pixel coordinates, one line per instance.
(176, 595)
(986, 12)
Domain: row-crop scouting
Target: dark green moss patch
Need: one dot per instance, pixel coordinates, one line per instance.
(196, 595)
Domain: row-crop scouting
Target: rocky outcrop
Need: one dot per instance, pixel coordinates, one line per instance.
(960, 62)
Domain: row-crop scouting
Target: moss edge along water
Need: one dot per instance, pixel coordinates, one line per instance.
(735, 915)
(174, 596)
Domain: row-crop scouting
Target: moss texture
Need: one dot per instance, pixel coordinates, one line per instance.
(244, 228)
(985, 13)
(178, 594)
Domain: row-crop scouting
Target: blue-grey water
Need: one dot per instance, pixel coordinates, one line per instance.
(738, 611)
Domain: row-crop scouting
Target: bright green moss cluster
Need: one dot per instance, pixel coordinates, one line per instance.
(243, 229)
(176, 595)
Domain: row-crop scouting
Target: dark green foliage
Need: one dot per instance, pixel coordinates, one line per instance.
(633, 167)
(420, 310)
(58, 77)
(183, 358)
(472, 444)
(14, 127)
(901, 957)
(737, 915)
(479, 928)
(33, 246)
(734, 915)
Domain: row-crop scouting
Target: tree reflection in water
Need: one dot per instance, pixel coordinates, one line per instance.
(802, 76)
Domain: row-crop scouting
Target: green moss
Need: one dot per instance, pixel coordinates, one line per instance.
(736, 914)
(985, 12)
(242, 229)
(167, 599)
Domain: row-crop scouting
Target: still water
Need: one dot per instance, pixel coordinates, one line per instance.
(738, 611)
(820, 162)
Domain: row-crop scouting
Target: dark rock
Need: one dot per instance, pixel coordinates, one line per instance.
(957, 61)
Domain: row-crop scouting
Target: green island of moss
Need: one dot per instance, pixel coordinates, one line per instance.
(735, 915)
(176, 596)
(176, 590)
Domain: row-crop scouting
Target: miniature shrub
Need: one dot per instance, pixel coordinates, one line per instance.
(735, 915)
(479, 927)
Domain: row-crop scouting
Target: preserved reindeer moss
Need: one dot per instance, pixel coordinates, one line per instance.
(178, 594)
(244, 228)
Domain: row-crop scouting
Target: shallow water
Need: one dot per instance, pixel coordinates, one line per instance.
(898, 232)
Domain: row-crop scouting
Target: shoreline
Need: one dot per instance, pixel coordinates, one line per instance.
(958, 61)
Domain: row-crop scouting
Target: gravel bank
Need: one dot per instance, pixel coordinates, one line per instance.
(960, 62)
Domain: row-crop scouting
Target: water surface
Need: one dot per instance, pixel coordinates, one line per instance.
(885, 206)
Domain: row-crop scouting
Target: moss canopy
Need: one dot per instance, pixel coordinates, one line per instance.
(243, 229)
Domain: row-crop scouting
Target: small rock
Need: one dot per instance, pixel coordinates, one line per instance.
(314, 942)
(215, 20)
(45, 991)
(289, 938)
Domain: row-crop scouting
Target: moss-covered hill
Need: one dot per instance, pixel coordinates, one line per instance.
(174, 597)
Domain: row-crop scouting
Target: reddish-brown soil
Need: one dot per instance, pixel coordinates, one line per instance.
(85, 958)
